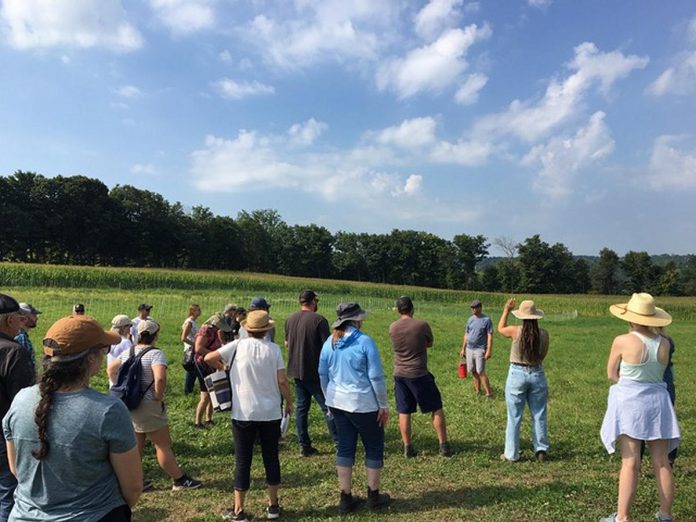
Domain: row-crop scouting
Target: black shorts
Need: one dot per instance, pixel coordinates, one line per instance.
(417, 391)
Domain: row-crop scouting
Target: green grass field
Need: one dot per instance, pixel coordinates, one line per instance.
(577, 483)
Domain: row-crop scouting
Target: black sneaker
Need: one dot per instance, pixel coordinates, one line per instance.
(377, 500)
(410, 451)
(446, 450)
(186, 482)
(273, 512)
(229, 514)
(308, 451)
(348, 503)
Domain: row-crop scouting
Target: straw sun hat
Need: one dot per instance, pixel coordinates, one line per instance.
(527, 310)
(641, 309)
(258, 321)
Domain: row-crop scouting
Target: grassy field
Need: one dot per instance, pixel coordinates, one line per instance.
(577, 483)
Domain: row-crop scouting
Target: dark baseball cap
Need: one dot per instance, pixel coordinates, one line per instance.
(307, 296)
(404, 304)
(259, 303)
(8, 304)
(476, 303)
(79, 308)
(144, 307)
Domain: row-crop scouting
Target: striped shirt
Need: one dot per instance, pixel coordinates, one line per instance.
(152, 358)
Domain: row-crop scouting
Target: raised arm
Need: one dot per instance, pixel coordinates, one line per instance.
(503, 328)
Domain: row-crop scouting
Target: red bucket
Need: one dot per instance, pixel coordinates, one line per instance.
(462, 370)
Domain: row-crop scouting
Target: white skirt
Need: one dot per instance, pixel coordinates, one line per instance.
(641, 410)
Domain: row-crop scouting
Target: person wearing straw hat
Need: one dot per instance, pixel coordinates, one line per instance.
(526, 382)
(258, 380)
(352, 379)
(638, 406)
(72, 448)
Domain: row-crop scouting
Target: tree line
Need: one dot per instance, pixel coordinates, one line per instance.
(78, 220)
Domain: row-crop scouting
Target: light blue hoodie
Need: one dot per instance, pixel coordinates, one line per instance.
(351, 373)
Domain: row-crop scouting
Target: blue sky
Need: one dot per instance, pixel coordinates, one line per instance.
(569, 119)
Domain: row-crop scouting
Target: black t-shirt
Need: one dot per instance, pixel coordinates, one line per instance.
(305, 333)
(16, 371)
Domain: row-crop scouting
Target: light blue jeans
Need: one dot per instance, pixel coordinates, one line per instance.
(526, 385)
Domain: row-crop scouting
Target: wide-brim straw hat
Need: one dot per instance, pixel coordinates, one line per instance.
(258, 321)
(528, 310)
(349, 312)
(641, 309)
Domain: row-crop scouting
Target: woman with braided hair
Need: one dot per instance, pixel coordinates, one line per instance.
(72, 448)
(526, 382)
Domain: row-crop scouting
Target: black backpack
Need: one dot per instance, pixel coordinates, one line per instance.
(128, 385)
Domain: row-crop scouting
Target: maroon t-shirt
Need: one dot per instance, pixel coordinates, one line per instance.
(410, 338)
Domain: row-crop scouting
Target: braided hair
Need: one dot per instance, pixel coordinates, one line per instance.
(55, 376)
(530, 342)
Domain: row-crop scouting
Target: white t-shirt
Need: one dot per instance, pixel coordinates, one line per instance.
(254, 378)
(192, 332)
(116, 351)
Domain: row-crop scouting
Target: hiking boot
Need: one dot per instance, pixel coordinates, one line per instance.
(659, 517)
(308, 451)
(199, 426)
(273, 512)
(229, 514)
(446, 450)
(410, 451)
(376, 500)
(540, 455)
(347, 503)
(186, 482)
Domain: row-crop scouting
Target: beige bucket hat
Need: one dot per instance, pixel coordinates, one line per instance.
(527, 310)
(641, 309)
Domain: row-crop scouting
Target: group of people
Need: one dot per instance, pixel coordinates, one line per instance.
(71, 452)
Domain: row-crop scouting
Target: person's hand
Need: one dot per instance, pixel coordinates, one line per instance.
(462, 352)
(487, 355)
(510, 305)
(383, 417)
(288, 408)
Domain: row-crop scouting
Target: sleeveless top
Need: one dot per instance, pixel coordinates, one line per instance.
(649, 369)
(192, 333)
(516, 352)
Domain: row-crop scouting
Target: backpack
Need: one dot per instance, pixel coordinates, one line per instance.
(128, 386)
(188, 361)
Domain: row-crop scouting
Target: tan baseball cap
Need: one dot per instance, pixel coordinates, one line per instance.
(71, 337)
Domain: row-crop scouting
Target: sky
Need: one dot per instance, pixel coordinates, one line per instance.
(570, 119)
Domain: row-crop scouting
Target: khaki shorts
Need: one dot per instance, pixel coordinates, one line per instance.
(475, 360)
(149, 416)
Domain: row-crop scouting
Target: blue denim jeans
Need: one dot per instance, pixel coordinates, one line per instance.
(190, 381)
(8, 483)
(304, 391)
(526, 385)
(349, 426)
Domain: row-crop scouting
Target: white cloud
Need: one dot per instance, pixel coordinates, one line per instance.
(413, 185)
(322, 31)
(237, 90)
(467, 153)
(673, 163)
(468, 93)
(410, 134)
(562, 159)
(563, 100)
(436, 16)
(225, 56)
(539, 3)
(307, 132)
(129, 91)
(71, 23)
(143, 168)
(184, 16)
(432, 67)
(679, 79)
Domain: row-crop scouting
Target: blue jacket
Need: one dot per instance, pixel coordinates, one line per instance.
(351, 373)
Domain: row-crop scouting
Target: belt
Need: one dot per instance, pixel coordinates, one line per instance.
(526, 365)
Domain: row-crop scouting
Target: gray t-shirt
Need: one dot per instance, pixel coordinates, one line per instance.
(478, 329)
(75, 481)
